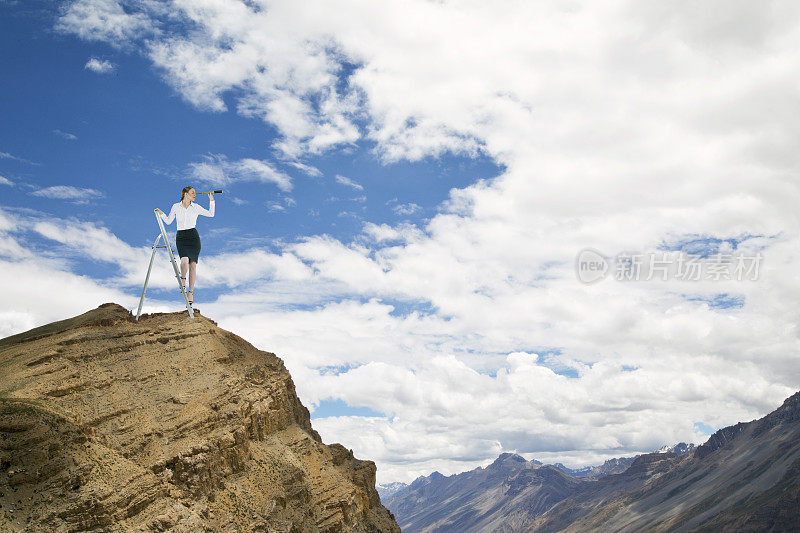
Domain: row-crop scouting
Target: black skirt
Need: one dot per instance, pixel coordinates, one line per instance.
(187, 241)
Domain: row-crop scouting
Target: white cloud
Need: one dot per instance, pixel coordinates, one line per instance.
(235, 269)
(6, 181)
(107, 20)
(92, 241)
(96, 242)
(385, 232)
(344, 180)
(66, 135)
(6, 155)
(621, 126)
(280, 66)
(36, 284)
(309, 170)
(10, 247)
(217, 171)
(100, 66)
(37, 292)
(407, 209)
(79, 195)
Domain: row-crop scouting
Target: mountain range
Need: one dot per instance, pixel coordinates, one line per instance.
(746, 477)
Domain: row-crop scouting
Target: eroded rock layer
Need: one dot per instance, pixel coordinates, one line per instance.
(168, 423)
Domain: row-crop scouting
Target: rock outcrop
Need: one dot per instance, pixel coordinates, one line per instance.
(168, 423)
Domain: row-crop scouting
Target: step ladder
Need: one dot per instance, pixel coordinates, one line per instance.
(166, 245)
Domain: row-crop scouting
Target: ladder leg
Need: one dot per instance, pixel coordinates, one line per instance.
(147, 278)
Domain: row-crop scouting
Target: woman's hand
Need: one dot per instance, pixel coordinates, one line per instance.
(210, 196)
(159, 211)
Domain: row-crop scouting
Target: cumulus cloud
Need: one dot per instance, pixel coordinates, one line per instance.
(620, 126)
(100, 66)
(79, 195)
(37, 284)
(385, 232)
(216, 170)
(37, 292)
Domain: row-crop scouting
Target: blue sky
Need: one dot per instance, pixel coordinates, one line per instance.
(128, 135)
(407, 186)
(134, 138)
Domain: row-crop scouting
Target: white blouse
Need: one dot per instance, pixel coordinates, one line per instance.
(187, 216)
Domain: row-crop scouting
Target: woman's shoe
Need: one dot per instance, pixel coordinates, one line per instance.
(190, 295)
(183, 283)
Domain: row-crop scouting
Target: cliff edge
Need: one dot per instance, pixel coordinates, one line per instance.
(166, 424)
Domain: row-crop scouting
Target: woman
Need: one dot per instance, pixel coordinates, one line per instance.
(187, 241)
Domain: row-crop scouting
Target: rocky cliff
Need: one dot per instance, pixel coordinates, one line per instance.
(168, 423)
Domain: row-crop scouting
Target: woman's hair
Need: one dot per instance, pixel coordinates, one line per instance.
(184, 191)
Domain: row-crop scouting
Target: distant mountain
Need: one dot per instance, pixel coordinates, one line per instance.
(388, 489)
(612, 466)
(575, 472)
(508, 493)
(746, 477)
(679, 449)
(618, 465)
(419, 501)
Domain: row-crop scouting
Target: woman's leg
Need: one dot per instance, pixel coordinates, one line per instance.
(192, 274)
(184, 268)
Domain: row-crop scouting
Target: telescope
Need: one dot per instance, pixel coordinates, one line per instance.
(209, 192)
